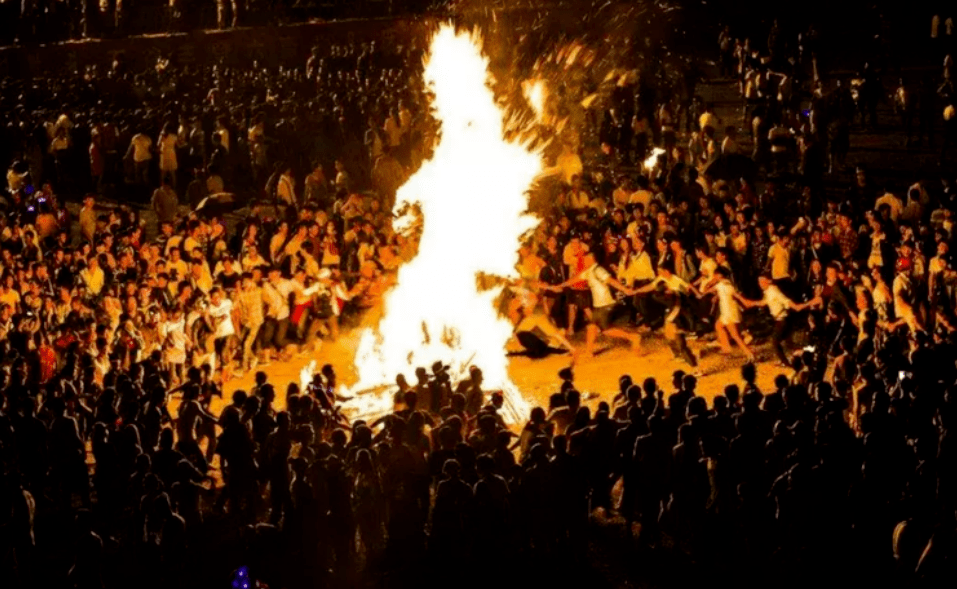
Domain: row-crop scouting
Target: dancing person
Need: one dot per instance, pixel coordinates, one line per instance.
(780, 308)
(576, 292)
(729, 313)
(679, 318)
(600, 318)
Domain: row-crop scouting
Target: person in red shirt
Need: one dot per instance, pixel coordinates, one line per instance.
(46, 356)
(577, 294)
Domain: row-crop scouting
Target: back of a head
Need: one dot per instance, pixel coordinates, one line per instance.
(283, 420)
(749, 372)
(781, 382)
(752, 400)
(633, 394)
(697, 406)
(485, 463)
(688, 383)
(732, 393)
(720, 403)
(573, 398)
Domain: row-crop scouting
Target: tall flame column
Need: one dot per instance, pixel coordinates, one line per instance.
(473, 199)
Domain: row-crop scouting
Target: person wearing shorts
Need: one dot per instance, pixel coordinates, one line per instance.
(600, 282)
(220, 312)
(577, 295)
(678, 316)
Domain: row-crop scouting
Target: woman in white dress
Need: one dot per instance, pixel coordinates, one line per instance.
(729, 313)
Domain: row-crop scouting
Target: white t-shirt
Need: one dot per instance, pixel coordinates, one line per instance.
(276, 297)
(141, 148)
(778, 304)
(598, 278)
(222, 315)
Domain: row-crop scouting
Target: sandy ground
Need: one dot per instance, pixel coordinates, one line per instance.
(537, 378)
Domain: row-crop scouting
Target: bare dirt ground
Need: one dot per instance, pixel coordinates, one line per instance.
(537, 378)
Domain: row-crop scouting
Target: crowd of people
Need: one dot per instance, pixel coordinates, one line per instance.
(121, 326)
(45, 21)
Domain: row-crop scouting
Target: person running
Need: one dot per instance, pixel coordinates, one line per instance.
(576, 296)
(729, 313)
(603, 303)
(678, 318)
(780, 307)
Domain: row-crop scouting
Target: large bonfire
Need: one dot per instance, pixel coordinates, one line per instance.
(472, 196)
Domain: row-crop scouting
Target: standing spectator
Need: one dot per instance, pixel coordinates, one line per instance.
(167, 144)
(140, 154)
(165, 203)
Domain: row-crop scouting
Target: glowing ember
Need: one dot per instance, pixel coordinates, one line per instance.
(473, 204)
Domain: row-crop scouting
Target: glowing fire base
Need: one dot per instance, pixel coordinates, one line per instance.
(473, 204)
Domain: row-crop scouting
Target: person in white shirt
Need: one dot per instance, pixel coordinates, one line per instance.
(706, 266)
(780, 307)
(678, 317)
(306, 313)
(252, 259)
(286, 189)
(638, 271)
(93, 276)
(894, 203)
(904, 298)
(603, 303)
(622, 194)
(276, 291)
(141, 152)
(578, 198)
(643, 195)
(220, 315)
